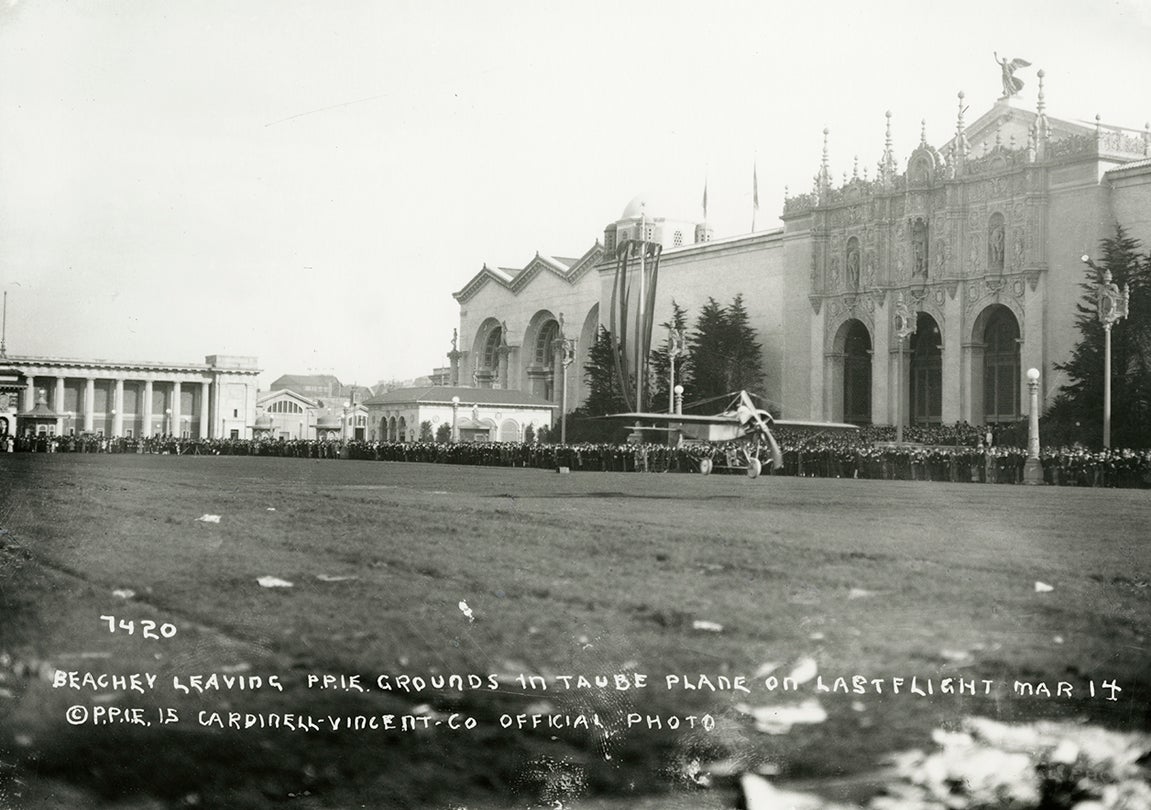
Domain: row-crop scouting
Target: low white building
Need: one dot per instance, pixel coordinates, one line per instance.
(473, 414)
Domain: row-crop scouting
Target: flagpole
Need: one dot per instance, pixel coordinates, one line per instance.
(754, 195)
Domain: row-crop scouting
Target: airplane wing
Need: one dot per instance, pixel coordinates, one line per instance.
(676, 418)
(818, 425)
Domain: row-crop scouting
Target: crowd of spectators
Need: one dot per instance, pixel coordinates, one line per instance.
(957, 453)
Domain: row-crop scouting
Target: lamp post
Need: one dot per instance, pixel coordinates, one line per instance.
(455, 415)
(113, 430)
(1032, 469)
(567, 348)
(347, 425)
(905, 324)
(674, 350)
(167, 421)
(678, 392)
(1111, 305)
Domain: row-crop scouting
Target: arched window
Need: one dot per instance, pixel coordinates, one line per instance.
(491, 347)
(1001, 367)
(996, 243)
(545, 343)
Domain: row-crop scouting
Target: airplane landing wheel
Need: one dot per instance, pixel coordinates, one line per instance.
(705, 466)
(754, 466)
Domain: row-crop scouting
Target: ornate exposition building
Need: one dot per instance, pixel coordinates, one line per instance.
(981, 237)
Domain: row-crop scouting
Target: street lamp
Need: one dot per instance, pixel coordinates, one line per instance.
(1032, 469)
(455, 416)
(167, 421)
(567, 346)
(675, 343)
(1111, 306)
(678, 405)
(347, 425)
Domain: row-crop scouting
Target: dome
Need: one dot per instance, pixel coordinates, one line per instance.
(653, 206)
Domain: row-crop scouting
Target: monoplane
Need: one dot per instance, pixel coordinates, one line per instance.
(738, 434)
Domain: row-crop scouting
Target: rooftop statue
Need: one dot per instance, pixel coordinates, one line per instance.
(1011, 85)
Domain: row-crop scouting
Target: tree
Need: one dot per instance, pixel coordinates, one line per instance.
(706, 349)
(444, 433)
(725, 354)
(1077, 412)
(529, 434)
(745, 354)
(660, 362)
(425, 431)
(543, 435)
(600, 376)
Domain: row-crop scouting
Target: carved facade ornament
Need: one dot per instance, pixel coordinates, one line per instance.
(834, 272)
(940, 296)
(942, 253)
(815, 302)
(974, 250)
(869, 269)
(1017, 251)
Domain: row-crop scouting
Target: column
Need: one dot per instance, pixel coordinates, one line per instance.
(89, 404)
(205, 390)
(146, 421)
(58, 405)
(118, 405)
(951, 332)
(174, 426)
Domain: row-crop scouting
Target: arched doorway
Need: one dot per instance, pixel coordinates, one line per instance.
(857, 374)
(925, 387)
(1000, 366)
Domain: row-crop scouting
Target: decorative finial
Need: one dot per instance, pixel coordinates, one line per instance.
(1011, 142)
(855, 169)
(1147, 138)
(786, 189)
(999, 133)
(865, 174)
(961, 145)
(923, 132)
(887, 162)
(1040, 104)
(1097, 124)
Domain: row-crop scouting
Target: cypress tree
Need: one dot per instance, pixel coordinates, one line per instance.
(1077, 412)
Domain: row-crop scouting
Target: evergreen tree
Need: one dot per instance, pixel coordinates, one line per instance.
(600, 376)
(745, 354)
(425, 431)
(660, 362)
(708, 352)
(1077, 412)
(726, 355)
(444, 433)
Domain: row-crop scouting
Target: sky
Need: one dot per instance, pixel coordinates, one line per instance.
(309, 182)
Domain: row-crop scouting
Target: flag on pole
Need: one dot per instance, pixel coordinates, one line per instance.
(705, 199)
(754, 195)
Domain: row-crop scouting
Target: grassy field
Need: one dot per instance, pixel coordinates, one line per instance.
(420, 570)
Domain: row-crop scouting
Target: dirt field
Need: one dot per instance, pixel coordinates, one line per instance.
(413, 571)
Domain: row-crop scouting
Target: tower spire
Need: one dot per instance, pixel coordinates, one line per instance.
(887, 162)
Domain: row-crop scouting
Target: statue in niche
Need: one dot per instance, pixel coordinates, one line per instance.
(853, 268)
(997, 240)
(1011, 85)
(919, 249)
